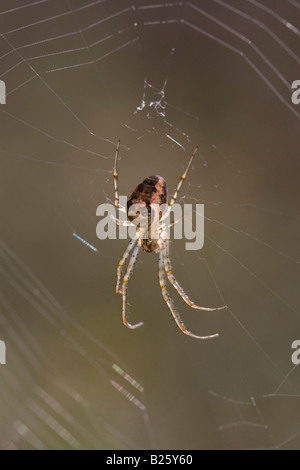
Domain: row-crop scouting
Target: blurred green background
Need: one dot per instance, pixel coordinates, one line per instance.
(76, 73)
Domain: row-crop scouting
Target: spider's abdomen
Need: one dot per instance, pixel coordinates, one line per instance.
(153, 190)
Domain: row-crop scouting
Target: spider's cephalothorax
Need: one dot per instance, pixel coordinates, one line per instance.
(152, 193)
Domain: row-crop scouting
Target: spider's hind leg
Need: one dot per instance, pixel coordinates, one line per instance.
(177, 286)
(122, 262)
(124, 288)
(169, 302)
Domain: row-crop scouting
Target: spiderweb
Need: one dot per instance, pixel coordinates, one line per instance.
(162, 77)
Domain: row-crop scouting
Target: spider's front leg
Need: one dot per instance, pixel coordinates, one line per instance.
(117, 204)
(122, 223)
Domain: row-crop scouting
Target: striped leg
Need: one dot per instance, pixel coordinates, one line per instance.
(117, 204)
(169, 302)
(183, 177)
(122, 262)
(122, 223)
(167, 267)
(124, 288)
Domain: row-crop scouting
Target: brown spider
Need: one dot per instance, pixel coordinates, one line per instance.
(152, 191)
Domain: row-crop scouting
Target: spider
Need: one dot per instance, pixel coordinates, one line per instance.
(153, 190)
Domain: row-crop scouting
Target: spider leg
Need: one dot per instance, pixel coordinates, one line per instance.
(117, 204)
(175, 222)
(122, 262)
(177, 286)
(169, 302)
(122, 223)
(183, 177)
(124, 288)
